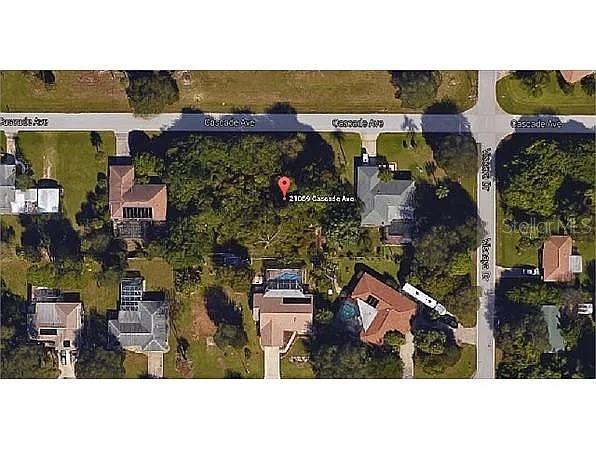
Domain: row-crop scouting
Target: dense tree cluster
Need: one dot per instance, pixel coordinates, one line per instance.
(19, 357)
(548, 177)
(435, 351)
(416, 88)
(149, 92)
(335, 353)
(522, 333)
(447, 233)
(223, 188)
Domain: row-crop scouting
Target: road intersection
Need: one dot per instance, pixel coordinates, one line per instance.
(485, 121)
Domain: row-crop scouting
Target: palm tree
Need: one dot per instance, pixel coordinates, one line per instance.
(96, 140)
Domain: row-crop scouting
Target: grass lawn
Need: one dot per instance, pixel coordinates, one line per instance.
(346, 146)
(507, 239)
(210, 361)
(69, 158)
(135, 365)
(464, 368)
(74, 91)
(225, 91)
(411, 152)
(514, 98)
(294, 369)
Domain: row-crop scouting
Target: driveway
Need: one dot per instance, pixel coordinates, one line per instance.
(271, 360)
(155, 364)
(406, 353)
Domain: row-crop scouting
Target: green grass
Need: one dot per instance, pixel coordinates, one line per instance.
(296, 370)
(74, 91)
(135, 365)
(464, 368)
(224, 91)
(411, 152)
(69, 158)
(2, 141)
(211, 361)
(382, 259)
(514, 98)
(508, 255)
(346, 146)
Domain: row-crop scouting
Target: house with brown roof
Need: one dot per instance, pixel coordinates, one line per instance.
(283, 310)
(282, 307)
(573, 76)
(132, 203)
(381, 308)
(558, 262)
(56, 321)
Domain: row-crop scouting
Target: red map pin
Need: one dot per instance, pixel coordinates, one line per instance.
(284, 184)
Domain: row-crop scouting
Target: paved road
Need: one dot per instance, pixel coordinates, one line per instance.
(486, 121)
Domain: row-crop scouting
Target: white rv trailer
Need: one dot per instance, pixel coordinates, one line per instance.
(424, 298)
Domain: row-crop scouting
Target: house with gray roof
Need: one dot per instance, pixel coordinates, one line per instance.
(387, 205)
(142, 322)
(42, 199)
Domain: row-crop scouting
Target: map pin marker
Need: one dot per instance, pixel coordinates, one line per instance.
(284, 185)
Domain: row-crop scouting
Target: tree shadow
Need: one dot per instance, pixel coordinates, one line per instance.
(220, 308)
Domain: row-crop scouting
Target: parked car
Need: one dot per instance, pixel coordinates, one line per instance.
(530, 271)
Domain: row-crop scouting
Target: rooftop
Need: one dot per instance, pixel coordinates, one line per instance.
(381, 307)
(134, 201)
(384, 202)
(556, 254)
(142, 323)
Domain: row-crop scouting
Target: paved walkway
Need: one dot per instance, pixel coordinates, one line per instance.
(406, 353)
(122, 148)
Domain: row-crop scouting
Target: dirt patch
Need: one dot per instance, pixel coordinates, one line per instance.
(202, 325)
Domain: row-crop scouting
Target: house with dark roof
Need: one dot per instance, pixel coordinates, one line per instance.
(42, 199)
(558, 262)
(388, 205)
(133, 206)
(379, 308)
(142, 323)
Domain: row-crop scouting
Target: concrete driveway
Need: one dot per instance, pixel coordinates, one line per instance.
(271, 360)
(155, 364)
(406, 353)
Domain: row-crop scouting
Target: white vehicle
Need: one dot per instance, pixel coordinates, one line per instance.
(585, 308)
(424, 299)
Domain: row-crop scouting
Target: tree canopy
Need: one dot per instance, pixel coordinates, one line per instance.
(416, 88)
(149, 92)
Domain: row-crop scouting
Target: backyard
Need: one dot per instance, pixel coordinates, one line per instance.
(70, 159)
(514, 98)
(226, 91)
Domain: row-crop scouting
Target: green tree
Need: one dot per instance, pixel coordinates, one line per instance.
(394, 340)
(533, 293)
(230, 335)
(522, 336)
(534, 81)
(96, 140)
(149, 92)
(430, 341)
(416, 88)
(385, 174)
(148, 166)
(588, 84)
